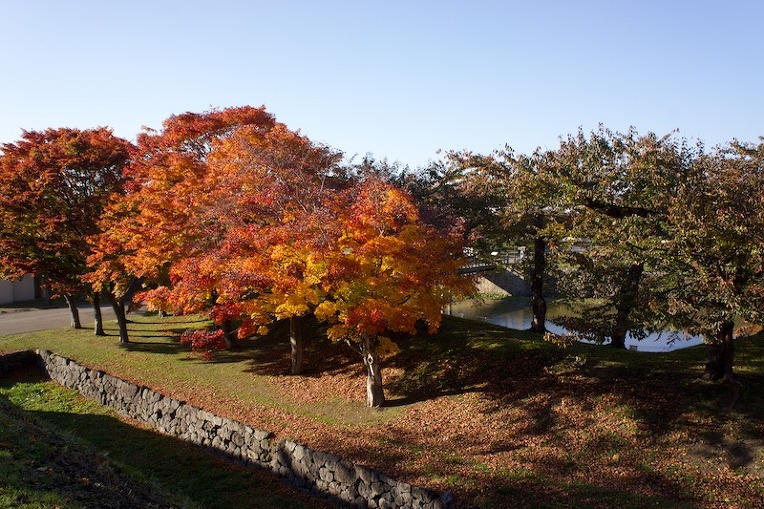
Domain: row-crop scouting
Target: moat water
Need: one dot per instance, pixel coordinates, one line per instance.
(514, 315)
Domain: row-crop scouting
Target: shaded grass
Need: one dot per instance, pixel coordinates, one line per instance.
(45, 467)
(71, 452)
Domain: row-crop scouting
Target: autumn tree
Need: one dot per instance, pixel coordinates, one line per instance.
(300, 240)
(387, 272)
(154, 225)
(267, 192)
(54, 185)
(715, 255)
(214, 199)
(108, 274)
(167, 177)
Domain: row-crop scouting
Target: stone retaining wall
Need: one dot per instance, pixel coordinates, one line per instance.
(321, 473)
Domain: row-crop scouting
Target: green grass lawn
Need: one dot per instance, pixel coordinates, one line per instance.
(499, 417)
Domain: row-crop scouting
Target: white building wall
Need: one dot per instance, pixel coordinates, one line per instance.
(17, 291)
(6, 292)
(23, 290)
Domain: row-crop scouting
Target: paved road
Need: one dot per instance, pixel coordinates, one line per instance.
(30, 320)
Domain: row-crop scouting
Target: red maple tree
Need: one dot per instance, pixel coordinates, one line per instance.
(54, 185)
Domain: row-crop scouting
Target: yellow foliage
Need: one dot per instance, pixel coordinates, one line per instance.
(338, 332)
(561, 340)
(326, 310)
(293, 305)
(387, 347)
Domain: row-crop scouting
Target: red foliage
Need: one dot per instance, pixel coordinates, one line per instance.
(204, 341)
(54, 185)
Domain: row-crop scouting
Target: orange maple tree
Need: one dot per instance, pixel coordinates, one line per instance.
(168, 181)
(359, 257)
(265, 193)
(206, 197)
(154, 225)
(389, 271)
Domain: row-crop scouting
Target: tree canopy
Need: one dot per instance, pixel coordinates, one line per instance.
(714, 253)
(619, 187)
(649, 230)
(54, 185)
(231, 213)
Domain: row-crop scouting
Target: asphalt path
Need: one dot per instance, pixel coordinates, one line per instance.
(18, 321)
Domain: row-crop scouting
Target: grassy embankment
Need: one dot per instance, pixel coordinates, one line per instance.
(499, 417)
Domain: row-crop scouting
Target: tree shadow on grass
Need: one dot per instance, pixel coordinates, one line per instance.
(161, 348)
(167, 339)
(452, 365)
(534, 379)
(83, 471)
(270, 354)
(655, 397)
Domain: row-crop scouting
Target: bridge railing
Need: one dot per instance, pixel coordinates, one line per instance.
(494, 260)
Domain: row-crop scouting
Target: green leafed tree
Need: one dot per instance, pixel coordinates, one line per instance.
(619, 188)
(508, 200)
(716, 252)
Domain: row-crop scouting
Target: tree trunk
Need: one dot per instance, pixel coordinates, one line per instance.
(72, 303)
(375, 395)
(98, 326)
(228, 334)
(118, 305)
(625, 302)
(45, 290)
(296, 341)
(537, 285)
(721, 354)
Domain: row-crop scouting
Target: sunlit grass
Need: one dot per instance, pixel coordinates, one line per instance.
(155, 358)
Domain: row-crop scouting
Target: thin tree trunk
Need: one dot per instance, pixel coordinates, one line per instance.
(721, 354)
(626, 300)
(228, 335)
(98, 326)
(375, 395)
(537, 285)
(296, 342)
(71, 302)
(45, 290)
(118, 305)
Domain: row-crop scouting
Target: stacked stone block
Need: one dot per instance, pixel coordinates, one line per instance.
(323, 474)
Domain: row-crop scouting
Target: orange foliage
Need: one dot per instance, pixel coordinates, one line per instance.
(389, 270)
(233, 213)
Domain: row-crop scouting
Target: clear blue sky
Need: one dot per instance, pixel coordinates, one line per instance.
(399, 79)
